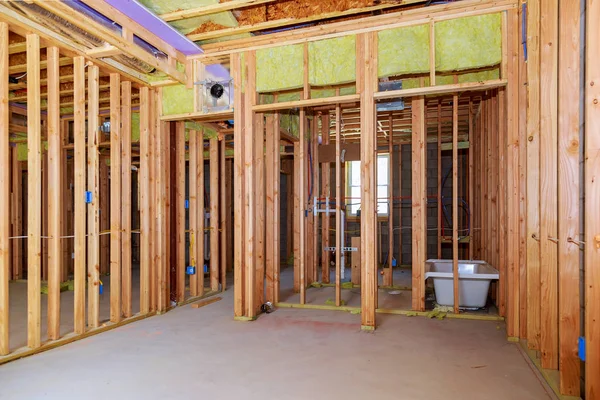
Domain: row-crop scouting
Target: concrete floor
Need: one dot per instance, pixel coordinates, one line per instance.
(289, 354)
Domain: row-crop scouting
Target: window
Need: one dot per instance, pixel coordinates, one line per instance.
(353, 191)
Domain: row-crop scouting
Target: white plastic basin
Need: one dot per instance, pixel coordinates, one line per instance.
(474, 278)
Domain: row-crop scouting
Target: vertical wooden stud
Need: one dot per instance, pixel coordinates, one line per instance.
(200, 214)
(569, 69)
(592, 193)
(115, 197)
(325, 196)
(223, 214)
(338, 205)
(455, 203)
(144, 202)
(259, 192)
(54, 192)
(180, 208)
(126, 202)
(368, 146)
(419, 233)
(533, 175)
(93, 212)
(270, 147)
(390, 277)
(250, 174)
(214, 214)
(4, 188)
(238, 197)
(548, 183)
(196, 237)
(34, 192)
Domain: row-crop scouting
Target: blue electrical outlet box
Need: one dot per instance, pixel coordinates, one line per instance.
(101, 289)
(205, 269)
(393, 262)
(187, 204)
(88, 197)
(190, 270)
(581, 348)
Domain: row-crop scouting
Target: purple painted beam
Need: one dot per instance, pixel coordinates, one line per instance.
(166, 32)
(153, 23)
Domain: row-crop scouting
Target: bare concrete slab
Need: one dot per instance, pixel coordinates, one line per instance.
(289, 354)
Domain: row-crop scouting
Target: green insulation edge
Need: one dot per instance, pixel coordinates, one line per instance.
(460, 44)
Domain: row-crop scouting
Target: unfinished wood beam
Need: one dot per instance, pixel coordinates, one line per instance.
(115, 198)
(195, 235)
(419, 199)
(180, 209)
(214, 213)
(548, 183)
(93, 213)
(144, 201)
(368, 156)
(34, 193)
(54, 191)
(592, 194)
(126, 202)
(238, 198)
(79, 193)
(5, 189)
